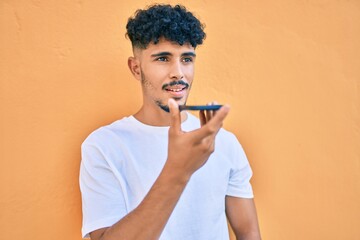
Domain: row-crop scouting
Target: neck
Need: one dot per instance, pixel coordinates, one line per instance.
(156, 117)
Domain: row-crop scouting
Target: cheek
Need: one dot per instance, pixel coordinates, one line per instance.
(189, 73)
(155, 74)
(146, 83)
(151, 83)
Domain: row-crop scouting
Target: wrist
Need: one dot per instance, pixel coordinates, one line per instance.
(175, 176)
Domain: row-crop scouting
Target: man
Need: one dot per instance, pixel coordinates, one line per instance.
(162, 173)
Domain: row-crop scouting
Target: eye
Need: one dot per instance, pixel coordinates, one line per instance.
(187, 59)
(162, 59)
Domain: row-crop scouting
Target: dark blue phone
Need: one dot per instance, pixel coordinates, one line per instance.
(200, 107)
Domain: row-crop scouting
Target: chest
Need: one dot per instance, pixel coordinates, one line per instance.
(140, 159)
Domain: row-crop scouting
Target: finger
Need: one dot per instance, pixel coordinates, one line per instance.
(202, 117)
(208, 113)
(214, 103)
(220, 116)
(214, 125)
(175, 120)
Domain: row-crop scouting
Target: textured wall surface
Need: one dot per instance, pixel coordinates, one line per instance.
(289, 69)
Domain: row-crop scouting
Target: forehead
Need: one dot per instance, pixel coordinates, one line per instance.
(165, 46)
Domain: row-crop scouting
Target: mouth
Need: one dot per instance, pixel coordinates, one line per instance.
(176, 88)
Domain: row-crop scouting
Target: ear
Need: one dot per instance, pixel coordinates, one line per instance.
(134, 67)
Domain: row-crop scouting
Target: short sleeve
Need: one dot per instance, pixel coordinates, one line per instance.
(103, 201)
(240, 173)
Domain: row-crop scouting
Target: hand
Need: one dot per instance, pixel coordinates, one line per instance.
(188, 151)
(204, 118)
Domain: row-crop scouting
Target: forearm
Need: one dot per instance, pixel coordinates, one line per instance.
(241, 213)
(148, 220)
(249, 236)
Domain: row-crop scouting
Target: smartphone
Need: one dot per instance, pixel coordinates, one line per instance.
(200, 107)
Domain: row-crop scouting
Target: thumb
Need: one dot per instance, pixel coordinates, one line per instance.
(175, 119)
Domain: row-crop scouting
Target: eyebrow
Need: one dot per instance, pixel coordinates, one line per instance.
(170, 54)
(189, 54)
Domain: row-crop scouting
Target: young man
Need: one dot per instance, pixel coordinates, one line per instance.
(162, 173)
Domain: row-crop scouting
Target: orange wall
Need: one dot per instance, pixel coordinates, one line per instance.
(289, 69)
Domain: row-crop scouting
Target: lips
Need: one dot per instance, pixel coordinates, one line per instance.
(176, 88)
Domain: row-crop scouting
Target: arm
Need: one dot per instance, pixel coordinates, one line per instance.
(242, 217)
(187, 152)
(149, 218)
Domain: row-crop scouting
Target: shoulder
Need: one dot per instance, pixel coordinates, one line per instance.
(106, 133)
(227, 139)
(228, 143)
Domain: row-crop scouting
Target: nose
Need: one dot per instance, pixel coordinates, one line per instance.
(176, 71)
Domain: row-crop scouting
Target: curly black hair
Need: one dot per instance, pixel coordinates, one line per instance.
(175, 24)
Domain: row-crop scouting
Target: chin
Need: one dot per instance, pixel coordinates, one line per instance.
(165, 107)
(180, 101)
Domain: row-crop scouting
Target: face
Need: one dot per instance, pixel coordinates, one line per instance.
(166, 70)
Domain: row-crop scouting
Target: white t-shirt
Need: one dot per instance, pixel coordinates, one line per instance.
(121, 161)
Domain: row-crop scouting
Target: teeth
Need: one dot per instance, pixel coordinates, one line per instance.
(175, 89)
